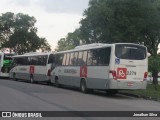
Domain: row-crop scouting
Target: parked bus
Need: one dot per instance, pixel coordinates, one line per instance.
(5, 63)
(32, 66)
(108, 67)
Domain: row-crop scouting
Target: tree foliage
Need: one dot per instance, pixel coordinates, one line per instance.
(154, 66)
(72, 40)
(114, 21)
(17, 32)
(134, 21)
(110, 21)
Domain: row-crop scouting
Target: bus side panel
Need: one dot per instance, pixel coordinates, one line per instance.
(98, 77)
(40, 73)
(67, 75)
(21, 72)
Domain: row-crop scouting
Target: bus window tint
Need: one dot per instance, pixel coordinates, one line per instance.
(51, 59)
(84, 57)
(89, 58)
(95, 56)
(99, 56)
(7, 59)
(75, 58)
(67, 59)
(0, 58)
(18, 61)
(80, 58)
(59, 59)
(132, 52)
(31, 60)
(71, 61)
(64, 59)
(8, 56)
(43, 60)
(105, 56)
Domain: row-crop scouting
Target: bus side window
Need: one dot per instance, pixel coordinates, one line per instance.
(45, 60)
(84, 57)
(80, 58)
(68, 58)
(13, 63)
(51, 59)
(75, 58)
(95, 56)
(59, 59)
(71, 62)
(89, 58)
(0, 59)
(107, 52)
(64, 59)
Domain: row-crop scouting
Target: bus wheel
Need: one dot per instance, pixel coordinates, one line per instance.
(14, 77)
(83, 86)
(32, 79)
(57, 82)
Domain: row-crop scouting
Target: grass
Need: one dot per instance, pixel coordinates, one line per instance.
(149, 93)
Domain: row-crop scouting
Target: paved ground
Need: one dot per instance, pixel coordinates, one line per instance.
(23, 96)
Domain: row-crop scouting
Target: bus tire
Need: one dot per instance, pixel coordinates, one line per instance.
(32, 79)
(83, 86)
(14, 77)
(57, 82)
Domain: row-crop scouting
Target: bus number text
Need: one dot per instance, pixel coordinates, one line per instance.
(131, 73)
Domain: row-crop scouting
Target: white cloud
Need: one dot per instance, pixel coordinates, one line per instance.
(55, 18)
(63, 6)
(19, 2)
(56, 26)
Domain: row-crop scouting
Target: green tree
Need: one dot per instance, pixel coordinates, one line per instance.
(112, 21)
(95, 24)
(44, 46)
(23, 41)
(17, 32)
(131, 21)
(134, 21)
(72, 40)
(61, 45)
(154, 66)
(6, 27)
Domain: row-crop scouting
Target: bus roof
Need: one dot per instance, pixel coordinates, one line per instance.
(93, 46)
(33, 54)
(7, 53)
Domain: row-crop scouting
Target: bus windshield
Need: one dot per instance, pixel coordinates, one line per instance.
(7, 59)
(131, 52)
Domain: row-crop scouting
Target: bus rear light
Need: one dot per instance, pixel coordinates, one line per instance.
(145, 75)
(113, 72)
(49, 73)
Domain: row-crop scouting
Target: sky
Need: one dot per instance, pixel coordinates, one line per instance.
(55, 18)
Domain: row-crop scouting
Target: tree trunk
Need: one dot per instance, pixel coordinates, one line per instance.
(155, 81)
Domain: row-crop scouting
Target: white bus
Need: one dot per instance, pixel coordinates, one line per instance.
(32, 66)
(5, 63)
(108, 67)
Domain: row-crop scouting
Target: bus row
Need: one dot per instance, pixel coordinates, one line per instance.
(108, 67)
